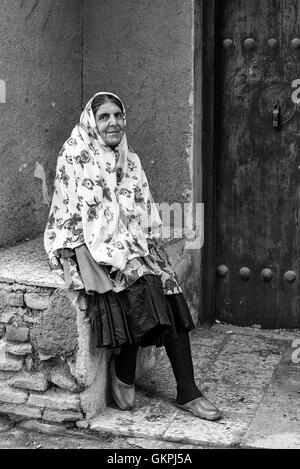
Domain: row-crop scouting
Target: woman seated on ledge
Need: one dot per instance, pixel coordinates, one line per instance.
(102, 227)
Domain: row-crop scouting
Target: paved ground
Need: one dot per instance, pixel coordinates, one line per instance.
(252, 375)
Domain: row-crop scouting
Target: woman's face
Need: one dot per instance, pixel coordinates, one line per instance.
(110, 123)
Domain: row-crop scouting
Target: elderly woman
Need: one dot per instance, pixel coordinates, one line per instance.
(102, 235)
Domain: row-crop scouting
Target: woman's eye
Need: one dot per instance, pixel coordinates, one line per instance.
(103, 117)
(106, 117)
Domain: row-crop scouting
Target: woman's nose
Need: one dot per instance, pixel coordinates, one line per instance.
(112, 120)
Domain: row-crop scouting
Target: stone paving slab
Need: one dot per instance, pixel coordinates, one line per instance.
(188, 429)
(277, 334)
(142, 443)
(233, 369)
(149, 419)
(235, 382)
(160, 382)
(161, 421)
(250, 376)
(277, 421)
(246, 361)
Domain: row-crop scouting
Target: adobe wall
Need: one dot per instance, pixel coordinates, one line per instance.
(143, 52)
(40, 52)
(54, 56)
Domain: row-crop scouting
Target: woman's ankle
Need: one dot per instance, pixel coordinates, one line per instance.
(185, 395)
(125, 364)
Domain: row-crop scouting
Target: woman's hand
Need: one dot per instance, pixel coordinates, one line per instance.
(56, 265)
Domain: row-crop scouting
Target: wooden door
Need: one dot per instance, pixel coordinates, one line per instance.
(257, 211)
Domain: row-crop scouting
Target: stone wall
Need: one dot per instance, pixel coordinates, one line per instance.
(39, 348)
(50, 367)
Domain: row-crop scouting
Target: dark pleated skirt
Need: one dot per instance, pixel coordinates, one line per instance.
(140, 314)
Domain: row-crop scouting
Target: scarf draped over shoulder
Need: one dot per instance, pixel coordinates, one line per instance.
(101, 198)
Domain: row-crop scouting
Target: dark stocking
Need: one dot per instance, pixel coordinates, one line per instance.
(125, 363)
(179, 353)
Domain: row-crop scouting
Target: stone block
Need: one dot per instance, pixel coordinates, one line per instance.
(5, 279)
(12, 396)
(30, 320)
(17, 334)
(19, 288)
(55, 401)
(61, 417)
(5, 376)
(37, 301)
(7, 315)
(2, 299)
(5, 424)
(44, 357)
(10, 364)
(20, 411)
(84, 424)
(56, 331)
(18, 349)
(84, 366)
(61, 377)
(2, 331)
(29, 363)
(97, 395)
(33, 382)
(45, 428)
(15, 299)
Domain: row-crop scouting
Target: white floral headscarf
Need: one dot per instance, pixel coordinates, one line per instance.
(101, 198)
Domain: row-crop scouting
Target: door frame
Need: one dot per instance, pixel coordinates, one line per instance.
(209, 153)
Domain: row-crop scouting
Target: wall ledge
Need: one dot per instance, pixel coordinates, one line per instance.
(27, 264)
(50, 366)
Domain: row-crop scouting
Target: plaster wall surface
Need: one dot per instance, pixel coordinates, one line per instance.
(40, 63)
(54, 56)
(142, 51)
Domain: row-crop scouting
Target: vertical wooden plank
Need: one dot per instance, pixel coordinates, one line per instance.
(257, 184)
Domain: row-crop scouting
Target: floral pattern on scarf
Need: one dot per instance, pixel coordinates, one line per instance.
(156, 263)
(95, 198)
(102, 198)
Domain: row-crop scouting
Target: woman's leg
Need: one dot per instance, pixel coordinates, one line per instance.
(125, 363)
(179, 353)
(188, 395)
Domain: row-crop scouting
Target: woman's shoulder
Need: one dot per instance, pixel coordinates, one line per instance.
(134, 158)
(71, 147)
